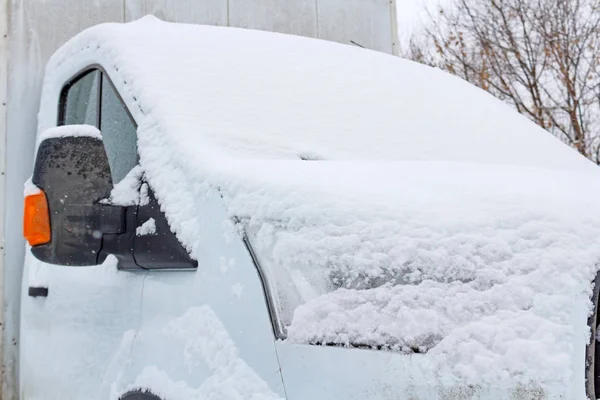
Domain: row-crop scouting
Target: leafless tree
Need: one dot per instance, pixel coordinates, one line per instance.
(541, 56)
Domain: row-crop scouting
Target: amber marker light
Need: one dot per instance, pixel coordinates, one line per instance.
(36, 220)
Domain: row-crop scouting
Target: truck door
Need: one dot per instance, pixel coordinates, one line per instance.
(78, 323)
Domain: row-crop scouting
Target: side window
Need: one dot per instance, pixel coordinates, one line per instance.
(118, 132)
(80, 100)
(91, 99)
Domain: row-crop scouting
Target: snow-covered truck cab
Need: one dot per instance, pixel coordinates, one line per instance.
(262, 216)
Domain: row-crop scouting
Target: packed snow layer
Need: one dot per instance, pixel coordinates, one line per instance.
(438, 220)
(70, 131)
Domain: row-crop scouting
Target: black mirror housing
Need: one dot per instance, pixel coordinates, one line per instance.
(74, 173)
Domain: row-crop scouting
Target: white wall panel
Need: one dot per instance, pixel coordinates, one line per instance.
(206, 12)
(371, 23)
(36, 29)
(298, 17)
(366, 22)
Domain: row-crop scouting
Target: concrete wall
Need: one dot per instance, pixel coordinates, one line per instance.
(38, 27)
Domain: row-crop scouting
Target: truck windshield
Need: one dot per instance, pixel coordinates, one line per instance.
(295, 277)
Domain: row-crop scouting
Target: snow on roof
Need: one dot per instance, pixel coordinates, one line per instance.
(255, 94)
(450, 223)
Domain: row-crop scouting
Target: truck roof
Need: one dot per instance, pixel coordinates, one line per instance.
(253, 94)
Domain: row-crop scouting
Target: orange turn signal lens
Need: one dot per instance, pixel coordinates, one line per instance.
(36, 220)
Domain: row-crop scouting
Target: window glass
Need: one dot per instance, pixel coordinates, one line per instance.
(118, 132)
(82, 101)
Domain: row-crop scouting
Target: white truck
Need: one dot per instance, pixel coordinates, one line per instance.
(218, 213)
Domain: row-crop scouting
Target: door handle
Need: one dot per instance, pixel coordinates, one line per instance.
(38, 291)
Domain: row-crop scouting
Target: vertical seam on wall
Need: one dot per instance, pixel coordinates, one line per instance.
(124, 11)
(6, 387)
(228, 21)
(3, 135)
(394, 30)
(317, 15)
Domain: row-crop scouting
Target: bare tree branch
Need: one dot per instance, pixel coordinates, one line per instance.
(540, 56)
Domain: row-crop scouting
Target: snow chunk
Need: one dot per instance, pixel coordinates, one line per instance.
(226, 264)
(127, 191)
(29, 188)
(144, 197)
(147, 228)
(237, 290)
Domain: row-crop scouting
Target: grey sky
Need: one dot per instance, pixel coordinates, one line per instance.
(412, 15)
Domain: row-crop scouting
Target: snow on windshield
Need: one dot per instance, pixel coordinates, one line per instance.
(438, 220)
(440, 250)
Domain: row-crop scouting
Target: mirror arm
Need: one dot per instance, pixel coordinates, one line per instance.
(117, 238)
(112, 219)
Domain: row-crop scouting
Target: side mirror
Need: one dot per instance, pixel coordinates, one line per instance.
(65, 219)
(70, 218)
